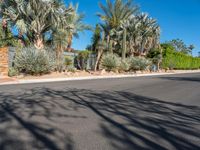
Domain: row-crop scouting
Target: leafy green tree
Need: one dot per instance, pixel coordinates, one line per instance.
(180, 46)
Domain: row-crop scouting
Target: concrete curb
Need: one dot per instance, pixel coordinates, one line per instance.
(50, 80)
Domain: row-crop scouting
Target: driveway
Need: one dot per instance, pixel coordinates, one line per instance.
(144, 113)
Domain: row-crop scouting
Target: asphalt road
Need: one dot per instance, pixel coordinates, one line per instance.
(144, 113)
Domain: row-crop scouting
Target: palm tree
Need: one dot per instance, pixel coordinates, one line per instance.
(60, 41)
(114, 14)
(143, 34)
(149, 33)
(75, 25)
(34, 18)
(96, 37)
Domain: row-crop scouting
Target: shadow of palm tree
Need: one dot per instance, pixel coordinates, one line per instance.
(27, 121)
(126, 120)
(136, 122)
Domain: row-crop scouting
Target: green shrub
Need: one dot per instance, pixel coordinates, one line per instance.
(13, 72)
(124, 66)
(177, 60)
(110, 62)
(139, 63)
(35, 62)
(68, 61)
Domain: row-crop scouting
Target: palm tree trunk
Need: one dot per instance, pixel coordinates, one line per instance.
(99, 54)
(69, 42)
(39, 43)
(142, 47)
(110, 46)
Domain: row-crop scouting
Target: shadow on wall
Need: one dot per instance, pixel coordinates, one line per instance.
(127, 121)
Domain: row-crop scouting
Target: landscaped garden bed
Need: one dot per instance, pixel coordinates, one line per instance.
(102, 73)
(126, 42)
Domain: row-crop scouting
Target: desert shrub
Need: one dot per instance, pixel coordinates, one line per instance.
(60, 65)
(139, 63)
(110, 62)
(124, 66)
(35, 62)
(12, 72)
(71, 69)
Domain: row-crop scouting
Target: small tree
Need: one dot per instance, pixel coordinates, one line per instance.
(156, 56)
(82, 59)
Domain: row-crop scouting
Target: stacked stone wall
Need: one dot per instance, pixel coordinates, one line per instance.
(4, 61)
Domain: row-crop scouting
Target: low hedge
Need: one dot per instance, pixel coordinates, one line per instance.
(177, 60)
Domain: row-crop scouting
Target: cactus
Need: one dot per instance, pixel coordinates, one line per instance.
(124, 44)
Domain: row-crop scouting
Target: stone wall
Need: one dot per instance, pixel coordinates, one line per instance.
(4, 61)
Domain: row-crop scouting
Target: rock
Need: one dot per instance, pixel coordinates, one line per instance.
(76, 74)
(138, 72)
(21, 76)
(112, 73)
(103, 72)
(163, 70)
(68, 73)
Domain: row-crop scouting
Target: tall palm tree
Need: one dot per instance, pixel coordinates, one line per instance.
(133, 32)
(75, 25)
(60, 41)
(143, 34)
(114, 14)
(149, 33)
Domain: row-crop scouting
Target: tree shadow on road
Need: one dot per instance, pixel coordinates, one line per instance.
(28, 121)
(127, 121)
(189, 79)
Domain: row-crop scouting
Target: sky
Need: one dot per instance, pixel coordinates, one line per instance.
(177, 18)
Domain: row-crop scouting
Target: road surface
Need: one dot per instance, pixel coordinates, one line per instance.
(144, 113)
